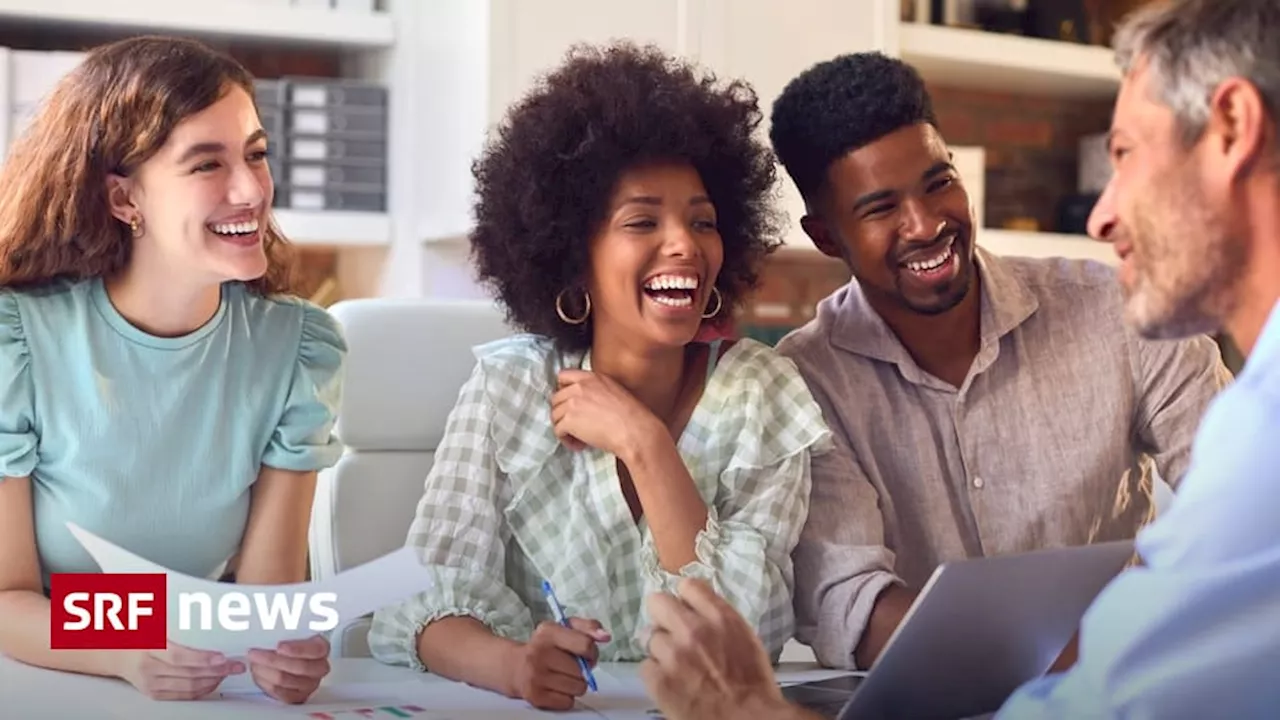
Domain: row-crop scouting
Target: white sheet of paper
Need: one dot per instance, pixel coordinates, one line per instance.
(622, 696)
(360, 590)
(334, 698)
(439, 700)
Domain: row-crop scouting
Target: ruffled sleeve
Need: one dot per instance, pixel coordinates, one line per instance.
(18, 440)
(303, 439)
(459, 530)
(773, 427)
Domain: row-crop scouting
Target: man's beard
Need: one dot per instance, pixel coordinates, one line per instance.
(1185, 264)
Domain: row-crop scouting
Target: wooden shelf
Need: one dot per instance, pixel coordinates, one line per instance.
(334, 228)
(1046, 245)
(978, 60)
(234, 19)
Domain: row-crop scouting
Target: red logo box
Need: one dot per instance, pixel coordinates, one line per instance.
(100, 611)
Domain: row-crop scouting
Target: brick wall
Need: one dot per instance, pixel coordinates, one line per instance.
(1032, 146)
(791, 284)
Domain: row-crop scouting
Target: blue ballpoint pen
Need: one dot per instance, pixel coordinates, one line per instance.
(558, 612)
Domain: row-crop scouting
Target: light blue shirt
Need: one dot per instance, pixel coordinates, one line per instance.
(1196, 633)
(154, 442)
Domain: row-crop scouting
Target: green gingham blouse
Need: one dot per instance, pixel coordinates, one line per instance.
(507, 505)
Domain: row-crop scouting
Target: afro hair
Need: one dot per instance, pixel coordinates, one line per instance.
(545, 178)
(840, 105)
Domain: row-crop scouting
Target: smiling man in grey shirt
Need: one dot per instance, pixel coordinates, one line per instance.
(982, 405)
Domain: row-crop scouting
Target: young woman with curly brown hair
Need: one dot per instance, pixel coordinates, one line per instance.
(623, 206)
(156, 386)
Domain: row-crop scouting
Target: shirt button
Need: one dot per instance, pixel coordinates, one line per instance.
(978, 483)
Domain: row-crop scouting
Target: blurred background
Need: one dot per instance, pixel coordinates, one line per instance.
(377, 107)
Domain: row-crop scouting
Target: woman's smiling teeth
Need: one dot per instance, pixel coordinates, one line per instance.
(237, 228)
(672, 290)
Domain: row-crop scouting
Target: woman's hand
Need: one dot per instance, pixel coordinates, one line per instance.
(292, 672)
(593, 410)
(178, 672)
(545, 672)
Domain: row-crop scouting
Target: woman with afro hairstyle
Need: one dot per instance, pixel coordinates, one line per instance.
(623, 208)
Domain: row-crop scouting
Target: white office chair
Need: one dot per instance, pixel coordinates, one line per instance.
(406, 363)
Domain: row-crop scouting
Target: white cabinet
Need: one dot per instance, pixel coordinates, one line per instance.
(768, 43)
(501, 46)
(26, 78)
(480, 56)
(462, 62)
(454, 66)
(530, 38)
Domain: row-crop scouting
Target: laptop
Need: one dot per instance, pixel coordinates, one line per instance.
(979, 630)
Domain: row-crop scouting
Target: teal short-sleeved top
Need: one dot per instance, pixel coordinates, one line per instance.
(154, 442)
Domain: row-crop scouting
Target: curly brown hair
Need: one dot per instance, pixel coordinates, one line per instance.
(545, 178)
(110, 114)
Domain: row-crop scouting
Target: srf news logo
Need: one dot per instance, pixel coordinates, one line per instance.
(99, 611)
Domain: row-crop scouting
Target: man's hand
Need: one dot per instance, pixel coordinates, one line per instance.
(705, 661)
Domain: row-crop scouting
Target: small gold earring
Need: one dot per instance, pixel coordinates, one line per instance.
(134, 226)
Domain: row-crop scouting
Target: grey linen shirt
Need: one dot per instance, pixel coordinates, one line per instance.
(1050, 441)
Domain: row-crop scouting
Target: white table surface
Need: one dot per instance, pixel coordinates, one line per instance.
(30, 693)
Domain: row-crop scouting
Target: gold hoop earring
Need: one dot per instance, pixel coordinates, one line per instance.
(715, 293)
(135, 226)
(565, 316)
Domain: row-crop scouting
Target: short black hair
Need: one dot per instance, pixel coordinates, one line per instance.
(840, 105)
(545, 179)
